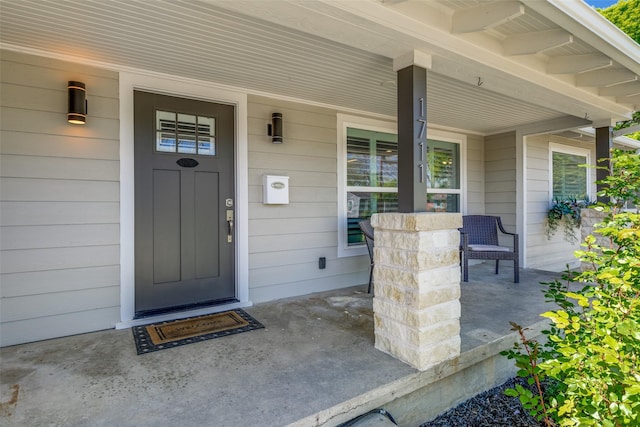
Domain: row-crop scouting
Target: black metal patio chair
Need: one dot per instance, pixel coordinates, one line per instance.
(367, 230)
(479, 240)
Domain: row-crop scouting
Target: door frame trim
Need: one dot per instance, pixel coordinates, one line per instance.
(192, 89)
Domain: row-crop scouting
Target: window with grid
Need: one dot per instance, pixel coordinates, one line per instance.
(372, 177)
(443, 176)
(569, 176)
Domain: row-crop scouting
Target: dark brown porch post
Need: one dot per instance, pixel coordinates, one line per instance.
(412, 131)
(604, 143)
(416, 269)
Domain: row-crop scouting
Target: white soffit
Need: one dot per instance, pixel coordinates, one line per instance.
(329, 52)
(391, 28)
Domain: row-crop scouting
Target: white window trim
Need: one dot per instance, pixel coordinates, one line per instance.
(345, 121)
(460, 139)
(569, 149)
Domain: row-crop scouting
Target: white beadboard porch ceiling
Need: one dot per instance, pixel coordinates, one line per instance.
(311, 54)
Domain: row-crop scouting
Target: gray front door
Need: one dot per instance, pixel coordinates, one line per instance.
(184, 203)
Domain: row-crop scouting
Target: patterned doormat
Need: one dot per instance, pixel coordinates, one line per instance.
(175, 333)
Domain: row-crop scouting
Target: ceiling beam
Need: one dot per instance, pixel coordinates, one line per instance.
(626, 131)
(586, 24)
(535, 42)
(633, 100)
(573, 64)
(572, 135)
(624, 89)
(606, 77)
(485, 16)
(555, 125)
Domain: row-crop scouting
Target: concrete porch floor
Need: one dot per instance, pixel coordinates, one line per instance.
(313, 364)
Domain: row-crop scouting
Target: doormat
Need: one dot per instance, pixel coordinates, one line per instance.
(175, 333)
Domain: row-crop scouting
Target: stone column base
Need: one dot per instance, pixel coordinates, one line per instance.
(417, 286)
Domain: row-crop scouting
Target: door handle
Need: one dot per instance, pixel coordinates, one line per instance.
(230, 235)
(230, 225)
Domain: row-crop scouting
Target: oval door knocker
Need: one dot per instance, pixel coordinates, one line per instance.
(187, 163)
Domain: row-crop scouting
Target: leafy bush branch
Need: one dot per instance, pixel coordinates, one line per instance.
(587, 372)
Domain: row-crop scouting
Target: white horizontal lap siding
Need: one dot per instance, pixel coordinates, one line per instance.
(285, 241)
(500, 179)
(59, 215)
(549, 254)
(475, 175)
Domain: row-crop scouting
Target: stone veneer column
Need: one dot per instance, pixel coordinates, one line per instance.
(589, 218)
(417, 286)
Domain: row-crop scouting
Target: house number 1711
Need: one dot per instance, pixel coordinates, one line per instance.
(423, 129)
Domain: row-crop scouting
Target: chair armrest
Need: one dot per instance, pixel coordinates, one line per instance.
(464, 240)
(515, 236)
(502, 230)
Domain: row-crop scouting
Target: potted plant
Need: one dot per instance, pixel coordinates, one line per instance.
(567, 212)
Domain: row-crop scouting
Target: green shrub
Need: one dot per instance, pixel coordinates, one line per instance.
(592, 352)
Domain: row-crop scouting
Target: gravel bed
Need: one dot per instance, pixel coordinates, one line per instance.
(489, 409)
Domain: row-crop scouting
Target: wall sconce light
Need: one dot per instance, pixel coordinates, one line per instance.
(77, 114)
(274, 129)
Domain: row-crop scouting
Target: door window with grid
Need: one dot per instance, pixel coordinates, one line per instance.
(185, 133)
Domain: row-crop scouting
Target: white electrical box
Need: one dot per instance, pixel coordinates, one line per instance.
(275, 190)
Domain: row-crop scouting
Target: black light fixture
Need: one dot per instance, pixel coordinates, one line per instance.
(274, 129)
(77, 114)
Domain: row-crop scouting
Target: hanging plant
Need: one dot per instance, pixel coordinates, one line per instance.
(567, 213)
